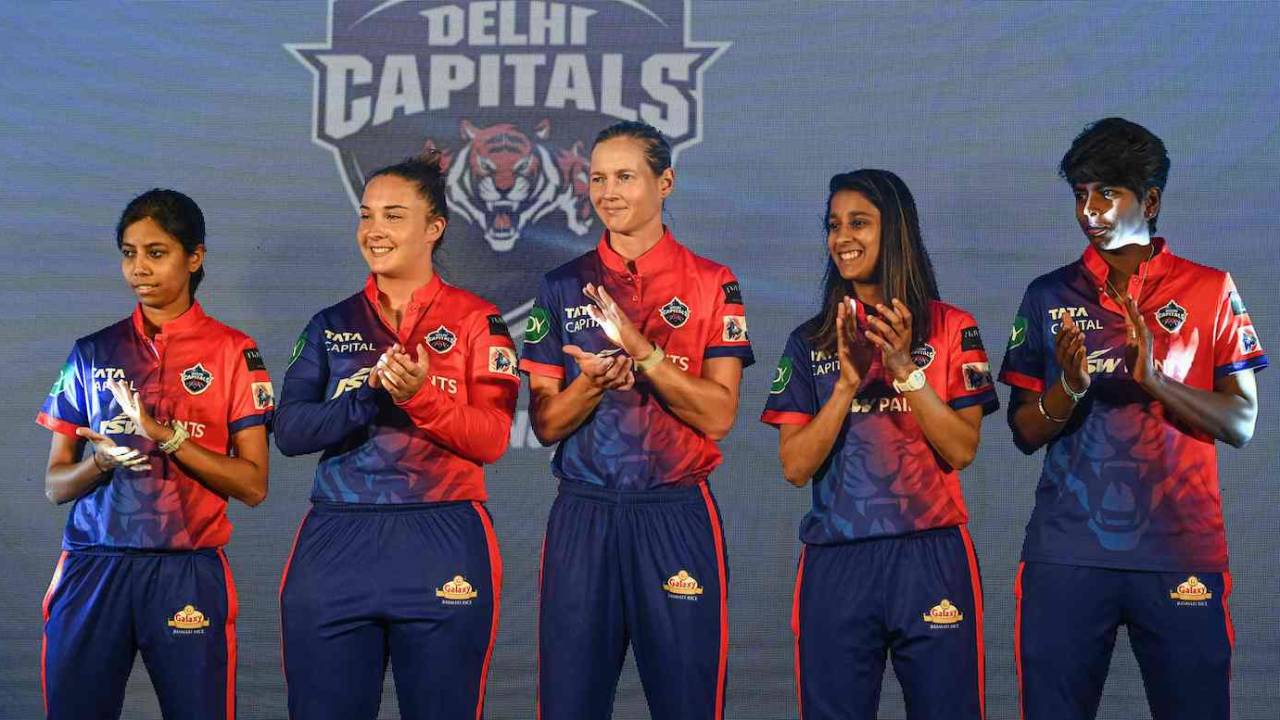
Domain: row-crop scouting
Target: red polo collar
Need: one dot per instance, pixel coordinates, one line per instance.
(186, 322)
(655, 259)
(1148, 271)
(422, 297)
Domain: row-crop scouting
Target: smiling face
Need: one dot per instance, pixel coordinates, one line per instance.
(853, 236)
(1112, 216)
(398, 227)
(156, 266)
(625, 192)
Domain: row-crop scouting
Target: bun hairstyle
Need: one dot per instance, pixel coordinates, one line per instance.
(178, 215)
(657, 151)
(427, 172)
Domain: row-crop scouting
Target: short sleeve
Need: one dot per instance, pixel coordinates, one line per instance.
(793, 396)
(493, 354)
(1236, 346)
(66, 407)
(727, 334)
(543, 340)
(1024, 361)
(252, 400)
(969, 373)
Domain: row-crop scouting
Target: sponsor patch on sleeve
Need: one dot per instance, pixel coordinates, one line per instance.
(1237, 304)
(498, 326)
(253, 360)
(66, 380)
(298, 345)
(732, 293)
(502, 360)
(781, 376)
(977, 375)
(971, 339)
(263, 396)
(735, 328)
(538, 325)
(1018, 335)
(1249, 342)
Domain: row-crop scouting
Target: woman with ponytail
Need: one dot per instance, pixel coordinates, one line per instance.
(407, 389)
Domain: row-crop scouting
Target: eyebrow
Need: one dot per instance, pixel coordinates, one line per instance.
(387, 207)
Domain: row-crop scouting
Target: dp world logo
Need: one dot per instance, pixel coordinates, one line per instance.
(512, 92)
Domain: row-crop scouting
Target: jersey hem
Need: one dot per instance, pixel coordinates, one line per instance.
(1130, 567)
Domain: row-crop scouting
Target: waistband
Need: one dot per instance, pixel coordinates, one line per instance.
(143, 552)
(328, 507)
(615, 496)
(927, 534)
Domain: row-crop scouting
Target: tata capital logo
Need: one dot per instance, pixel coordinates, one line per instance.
(512, 94)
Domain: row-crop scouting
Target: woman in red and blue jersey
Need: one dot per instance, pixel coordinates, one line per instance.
(176, 405)
(1127, 366)
(407, 388)
(880, 399)
(634, 353)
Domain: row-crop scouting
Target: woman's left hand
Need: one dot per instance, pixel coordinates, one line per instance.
(891, 332)
(615, 323)
(133, 408)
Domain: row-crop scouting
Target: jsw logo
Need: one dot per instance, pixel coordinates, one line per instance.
(1100, 365)
(351, 383)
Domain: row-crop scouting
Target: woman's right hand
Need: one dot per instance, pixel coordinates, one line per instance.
(854, 351)
(108, 456)
(606, 372)
(1072, 355)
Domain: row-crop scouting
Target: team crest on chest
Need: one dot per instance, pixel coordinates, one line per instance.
(675, 312)
(441, 340)
(196, 379)
(1171, 316)
(923, 356)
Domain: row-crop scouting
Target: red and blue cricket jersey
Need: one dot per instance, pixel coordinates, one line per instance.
(688, 305)
(1126, 485)
(196, 371)
(429, 449)
(882, 477)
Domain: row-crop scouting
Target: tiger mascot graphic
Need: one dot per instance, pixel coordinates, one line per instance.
(504, 180)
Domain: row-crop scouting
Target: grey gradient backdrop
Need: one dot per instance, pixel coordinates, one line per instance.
(971, 104)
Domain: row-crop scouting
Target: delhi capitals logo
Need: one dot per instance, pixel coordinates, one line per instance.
(196, 379)
(512, 94)
(676, 313)
(1171, 316)
(441, 340)
(923, 356)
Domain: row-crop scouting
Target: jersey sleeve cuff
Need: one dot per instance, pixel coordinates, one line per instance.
(742, 352)
(533, 367)
(248, 421)
(1257, 362)
(785, 417)
(57, 425)
(1018, 380)
(987, 399)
